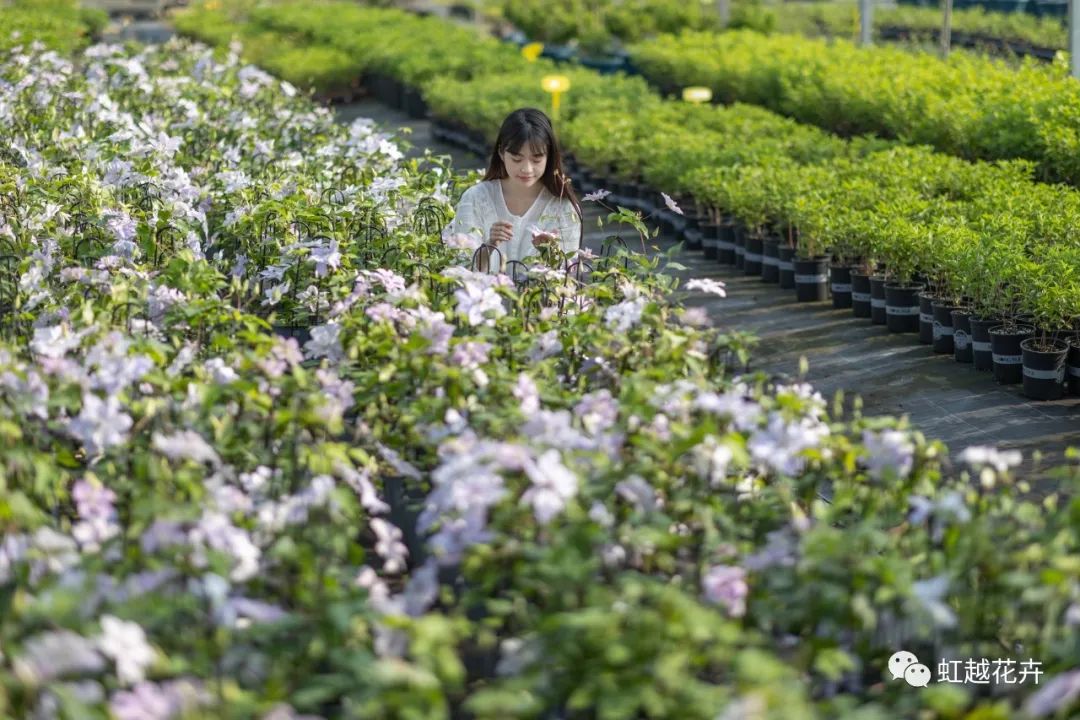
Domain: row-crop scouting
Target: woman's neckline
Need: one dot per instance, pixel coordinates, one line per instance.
(502, 199)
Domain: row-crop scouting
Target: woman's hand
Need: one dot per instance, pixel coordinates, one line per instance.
(500, 231)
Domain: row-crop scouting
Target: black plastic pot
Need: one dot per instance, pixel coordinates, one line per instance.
(710, 239)
(926, 318)
(1008, 357)
(962, 349)
(1044, 370)
(877, 300)
(786, 265)
(302, 333)
(740, 246)
(1072, 364)
(725, 248)
(812, 279)
(943, 328)
(860, 295)
(770, 261)
(752, 256)
(902, 308)
(691, 234)
(840, 284)
(982, 355)
(414, 103)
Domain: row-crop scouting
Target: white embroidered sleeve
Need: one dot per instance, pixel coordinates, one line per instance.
(469, 217)
(569, 228)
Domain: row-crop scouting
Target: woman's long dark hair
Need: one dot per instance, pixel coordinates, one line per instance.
(532, 126)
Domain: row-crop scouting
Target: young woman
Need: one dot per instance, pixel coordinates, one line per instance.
(525, 200)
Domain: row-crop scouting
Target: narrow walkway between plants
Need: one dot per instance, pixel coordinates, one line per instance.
(892, 374)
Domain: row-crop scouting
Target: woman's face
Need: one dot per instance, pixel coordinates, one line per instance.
(526, 166)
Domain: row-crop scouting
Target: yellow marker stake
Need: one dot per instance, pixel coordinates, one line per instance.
(532, 51)
(697, 94)
(556, 85)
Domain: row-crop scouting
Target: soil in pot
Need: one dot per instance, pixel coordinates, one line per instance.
(840, 284)
(962, 349)
(982, 355)
(1007, 356)
(785, 263)
(770, 261)
(812, 279)
(902, 308)
(878, 315)
(752, 255)
(1044, 368)
(860, 294)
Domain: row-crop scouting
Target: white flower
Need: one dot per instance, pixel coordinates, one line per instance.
(781, 445)
(598, 411)
(100, 424)
(55, 341)
(671, 204)
(221, 373)
(552, 486)
(929, 594)
(55, 654)
(326, 256)
(547, 345)
(707, 285)
(638, 492)
(186, 444)
(388, 545)
(596, 196)
(999, 460)
(600, 515)
(125, 642)
(711, 460)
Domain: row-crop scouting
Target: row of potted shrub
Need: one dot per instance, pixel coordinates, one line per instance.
(970, 106)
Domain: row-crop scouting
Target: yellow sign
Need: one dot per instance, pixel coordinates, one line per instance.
(556, 85)
(532, 51)
(697, 94)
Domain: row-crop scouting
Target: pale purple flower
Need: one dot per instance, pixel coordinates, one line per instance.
(125, 642)
(360, 482)
(671, 204)
(151, 701)
(527, 395)
(596, 196)
(325, 342)
(54, 654)
(625, 315)
(930, 597)
(100, 424)
(781, 445)
(1059, 693)
(552, 486)
(463, 241)
(434, 328)
(638, 492)
(214, 531)
(726, 585)
(547, 345)
(480, 305)
(888, 452)
(708, 286)
(779, 551)
(470, 354)
(97, 515)
(326, 257)
(185, 445)
(220, 372)
(123, 227)
(743, 413)
(233, 180)
(390, 280)
(597, 411)
(55, 341)
(600, 515)
(711, 460)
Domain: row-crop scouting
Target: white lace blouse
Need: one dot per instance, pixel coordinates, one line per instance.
(483, 204)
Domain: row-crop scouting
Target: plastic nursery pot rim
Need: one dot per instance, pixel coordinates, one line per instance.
(1059, 346)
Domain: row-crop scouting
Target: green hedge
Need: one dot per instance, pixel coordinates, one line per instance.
(967, 106)
(60, 24)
